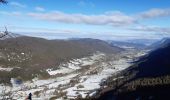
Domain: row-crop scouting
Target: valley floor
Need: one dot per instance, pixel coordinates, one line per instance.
(78, 78)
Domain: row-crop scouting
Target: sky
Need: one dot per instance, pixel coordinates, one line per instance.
(102, 19)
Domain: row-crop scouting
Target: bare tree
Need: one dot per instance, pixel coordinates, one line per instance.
(3, 1)
(3, 34)
(6, 32)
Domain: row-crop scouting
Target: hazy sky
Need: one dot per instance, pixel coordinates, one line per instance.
(104, 19)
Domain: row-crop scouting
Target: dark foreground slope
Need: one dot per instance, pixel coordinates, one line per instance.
(157, 63)
(147, 79)
(31, 56)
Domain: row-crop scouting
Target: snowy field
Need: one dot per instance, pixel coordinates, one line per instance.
(78, 78)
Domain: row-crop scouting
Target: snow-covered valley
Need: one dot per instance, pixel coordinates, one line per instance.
(78, 78)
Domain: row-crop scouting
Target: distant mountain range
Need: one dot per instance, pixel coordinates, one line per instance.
(127, 45)
(146, 42)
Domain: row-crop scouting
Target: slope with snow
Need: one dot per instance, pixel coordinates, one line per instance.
(78, 78)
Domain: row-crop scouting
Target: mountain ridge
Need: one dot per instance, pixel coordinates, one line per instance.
(31, 55)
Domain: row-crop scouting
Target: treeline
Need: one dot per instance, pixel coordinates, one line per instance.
(142, 82)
